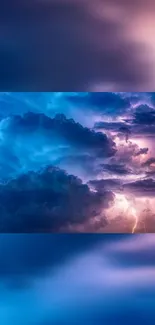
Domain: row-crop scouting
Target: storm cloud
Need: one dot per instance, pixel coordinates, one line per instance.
(77, 162)
(48, 200)
(144, 187)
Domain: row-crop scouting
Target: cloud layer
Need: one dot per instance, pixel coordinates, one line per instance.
(79, 162)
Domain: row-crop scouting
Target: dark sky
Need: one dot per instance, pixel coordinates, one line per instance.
(51, 279)
(79, 162)
(70, 45)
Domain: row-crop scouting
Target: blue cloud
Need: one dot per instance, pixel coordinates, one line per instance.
(92, 136)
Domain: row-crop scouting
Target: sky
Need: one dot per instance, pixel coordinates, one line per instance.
(66, 279)
(70, 45)
(77, 162)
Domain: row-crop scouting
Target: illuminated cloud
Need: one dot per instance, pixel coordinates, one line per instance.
(104, 140)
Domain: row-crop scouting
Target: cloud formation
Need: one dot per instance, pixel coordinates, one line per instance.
(79, 162)
(48, 200)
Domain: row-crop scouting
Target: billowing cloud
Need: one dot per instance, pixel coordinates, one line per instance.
(59, 127)
(105, 140)
(34, 139)
(102, 102)
(48, 201)
(146, 118)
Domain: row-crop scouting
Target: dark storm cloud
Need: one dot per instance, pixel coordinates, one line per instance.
(143, 131)
(106, 184)
(144, 118)
(119, 169)
(149, 162)
(57, 129)
(145, 187)
(140, 121)
(47, 201)
(32, 140)
(144, 108)
(142, 151)
(67, 45)
(111, 126)
(103, 102)
(67, 129)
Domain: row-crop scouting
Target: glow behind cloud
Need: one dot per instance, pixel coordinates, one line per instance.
(104, 140)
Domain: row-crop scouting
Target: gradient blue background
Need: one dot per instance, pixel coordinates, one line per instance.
(77, 45)
(74, 279)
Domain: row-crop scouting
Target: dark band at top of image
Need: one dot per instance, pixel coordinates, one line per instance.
(77, 45)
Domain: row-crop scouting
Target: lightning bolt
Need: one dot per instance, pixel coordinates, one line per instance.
(136, 220)
(123, 204)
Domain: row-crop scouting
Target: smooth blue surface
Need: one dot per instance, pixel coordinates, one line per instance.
(66, 279)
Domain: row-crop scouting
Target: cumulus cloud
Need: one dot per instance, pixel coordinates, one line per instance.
(35, 139)
(47, 201)
(103, 102)
(93, 136)
(147, 118)
(67, 130)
